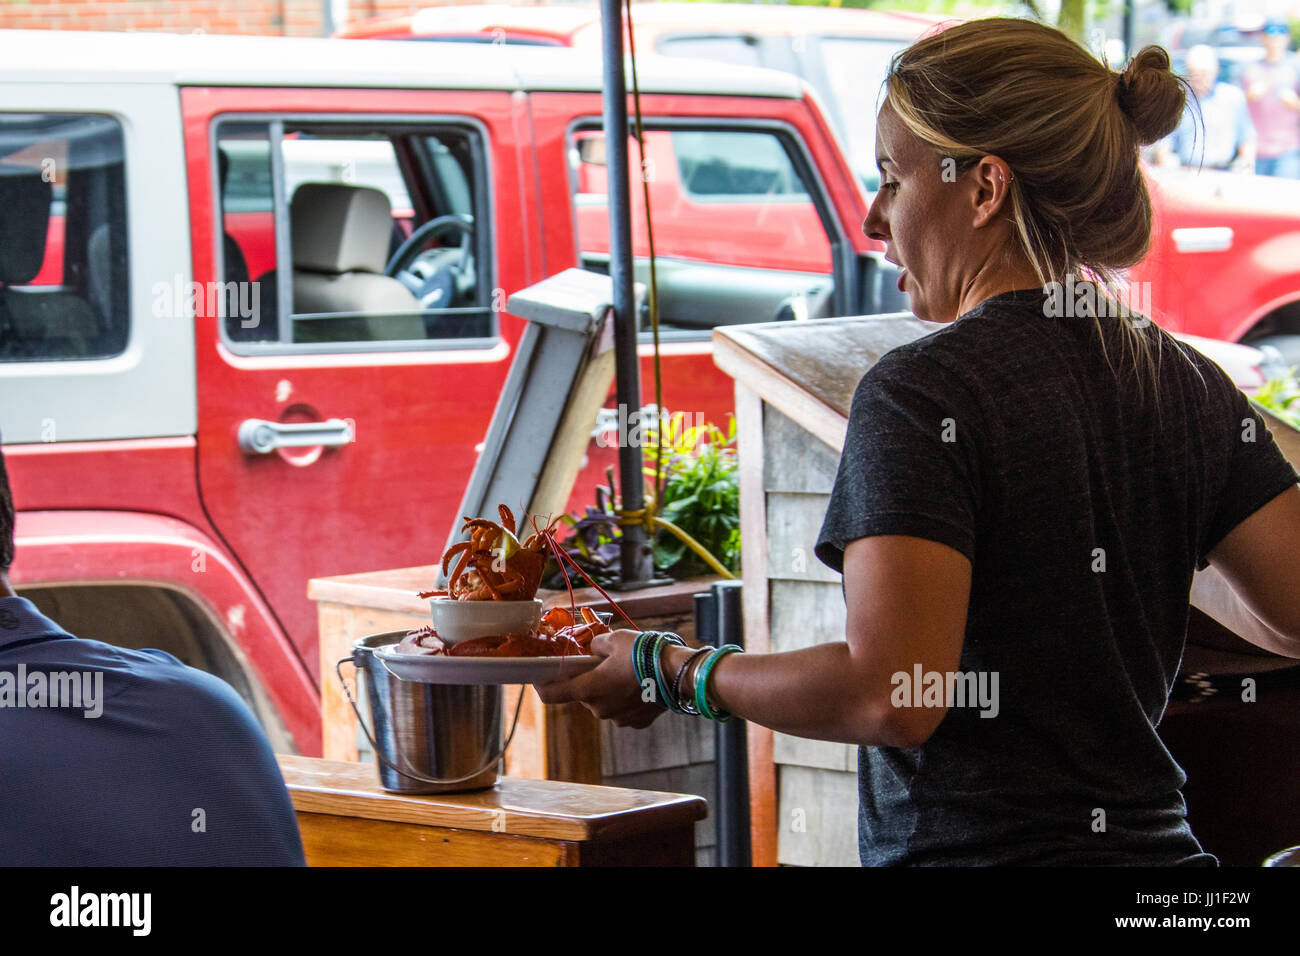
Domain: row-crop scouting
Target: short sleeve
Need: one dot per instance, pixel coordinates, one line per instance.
(1257, 473)
(910, 464)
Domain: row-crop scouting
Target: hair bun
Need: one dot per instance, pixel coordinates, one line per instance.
(1150, 95)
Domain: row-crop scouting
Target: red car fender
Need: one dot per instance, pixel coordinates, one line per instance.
(95, 547)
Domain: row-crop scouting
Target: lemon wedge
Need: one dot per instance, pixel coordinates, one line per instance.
(507, 545)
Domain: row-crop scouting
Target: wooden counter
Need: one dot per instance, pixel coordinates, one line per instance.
(347, 819)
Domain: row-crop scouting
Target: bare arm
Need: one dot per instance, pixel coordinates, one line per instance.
(907, 600)
(1252, 586)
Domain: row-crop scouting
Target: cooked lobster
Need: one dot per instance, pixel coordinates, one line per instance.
(494, 565)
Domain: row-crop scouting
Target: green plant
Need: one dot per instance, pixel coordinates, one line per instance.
(1281, 396)
(701, 494)
(701, 497)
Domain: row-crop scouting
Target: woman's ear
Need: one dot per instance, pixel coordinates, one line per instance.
(992, 179)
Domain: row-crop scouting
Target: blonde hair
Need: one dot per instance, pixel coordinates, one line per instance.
(1069, 127)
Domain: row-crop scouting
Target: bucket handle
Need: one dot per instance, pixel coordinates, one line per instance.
(487, 765)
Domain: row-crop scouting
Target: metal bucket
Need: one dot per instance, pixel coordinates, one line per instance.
(428, 738)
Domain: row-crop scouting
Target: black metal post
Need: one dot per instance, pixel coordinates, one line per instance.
(1130, 28)
(731, 748)
(636, 560)
(706, 618)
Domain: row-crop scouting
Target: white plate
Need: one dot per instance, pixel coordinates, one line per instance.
(440, 669)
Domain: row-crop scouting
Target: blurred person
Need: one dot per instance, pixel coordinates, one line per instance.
(1215, 131)
(118, 757)
(1273, 95)
(1028, 497)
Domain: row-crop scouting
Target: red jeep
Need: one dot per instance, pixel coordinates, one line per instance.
(252, 298)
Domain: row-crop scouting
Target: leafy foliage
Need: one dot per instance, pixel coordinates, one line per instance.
(594, 544)
(1281, 396)
(701, 495)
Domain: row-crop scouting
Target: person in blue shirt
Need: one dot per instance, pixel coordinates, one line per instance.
(1216, 131)
(117, 757)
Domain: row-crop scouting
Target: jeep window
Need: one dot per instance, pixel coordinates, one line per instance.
(718, 165)
(738, 235)
(380, 228)
(63, 253)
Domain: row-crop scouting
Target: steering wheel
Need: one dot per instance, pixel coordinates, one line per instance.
(437, 277)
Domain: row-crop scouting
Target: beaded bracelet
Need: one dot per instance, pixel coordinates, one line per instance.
(647, 650)
(702, 682)
(636, 655)
(641, 660)
(647, 656)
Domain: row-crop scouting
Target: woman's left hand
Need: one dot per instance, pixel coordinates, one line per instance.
(610, 690)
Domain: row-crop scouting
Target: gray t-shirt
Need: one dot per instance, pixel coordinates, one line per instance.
(1007, 436)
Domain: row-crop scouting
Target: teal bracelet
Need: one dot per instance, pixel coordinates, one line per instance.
(663, 687)
(638, 648)
(636, 656)
(702, 682)
(647, 650)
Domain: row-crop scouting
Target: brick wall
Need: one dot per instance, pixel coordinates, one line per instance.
(271, 17)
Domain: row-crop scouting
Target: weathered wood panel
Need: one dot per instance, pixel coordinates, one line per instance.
(750, 412)
(817, 792)
(816, 754)
(806, 613)
(793, 522)
(795, 459)
(671, 741)
(818, 822)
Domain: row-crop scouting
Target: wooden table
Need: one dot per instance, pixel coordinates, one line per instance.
(347, 819)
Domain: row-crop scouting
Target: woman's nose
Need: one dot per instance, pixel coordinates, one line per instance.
(874, 226)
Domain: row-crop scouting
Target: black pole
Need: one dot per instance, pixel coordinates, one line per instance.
(731, 748)
(706, 618)
(1130, 28)
(636, 562)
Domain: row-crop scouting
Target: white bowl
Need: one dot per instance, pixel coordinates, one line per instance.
(457, 621)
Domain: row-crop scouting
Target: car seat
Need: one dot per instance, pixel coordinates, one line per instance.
(38, 322)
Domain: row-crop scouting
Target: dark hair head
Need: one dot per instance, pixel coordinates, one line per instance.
(6, 519)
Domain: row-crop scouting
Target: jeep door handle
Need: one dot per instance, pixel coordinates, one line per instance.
(260, 437)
